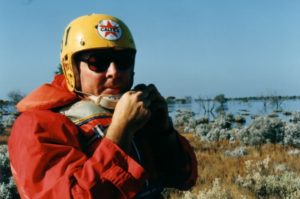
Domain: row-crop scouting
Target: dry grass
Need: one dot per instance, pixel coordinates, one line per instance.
(212, 164)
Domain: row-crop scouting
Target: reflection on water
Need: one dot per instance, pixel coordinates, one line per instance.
(248, 110)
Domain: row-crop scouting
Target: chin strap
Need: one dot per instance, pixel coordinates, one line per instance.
(104, 100)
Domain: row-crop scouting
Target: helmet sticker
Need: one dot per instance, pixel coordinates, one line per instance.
(109, 29)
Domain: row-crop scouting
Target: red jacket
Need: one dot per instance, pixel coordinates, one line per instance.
(48, 159)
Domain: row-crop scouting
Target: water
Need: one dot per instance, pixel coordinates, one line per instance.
(248, 109)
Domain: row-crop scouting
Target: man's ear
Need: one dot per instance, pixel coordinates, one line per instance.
(76, 70)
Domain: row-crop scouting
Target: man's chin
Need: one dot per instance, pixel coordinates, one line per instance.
(112, 91)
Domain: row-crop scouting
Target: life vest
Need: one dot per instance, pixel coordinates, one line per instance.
(93, 122)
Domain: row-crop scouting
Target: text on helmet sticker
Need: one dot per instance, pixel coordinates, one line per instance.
(109, 29)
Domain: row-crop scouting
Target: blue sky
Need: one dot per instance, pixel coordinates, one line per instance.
(185, 47)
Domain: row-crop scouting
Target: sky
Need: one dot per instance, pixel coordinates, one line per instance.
(198, 48)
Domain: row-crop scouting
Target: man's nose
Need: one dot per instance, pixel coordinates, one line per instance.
(112, 70)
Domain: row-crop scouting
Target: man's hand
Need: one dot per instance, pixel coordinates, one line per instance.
(131, 114)
(159, 120)
(142, 107)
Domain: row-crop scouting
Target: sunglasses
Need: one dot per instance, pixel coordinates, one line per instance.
(100, 61)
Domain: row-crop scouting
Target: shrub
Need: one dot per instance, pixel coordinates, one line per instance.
(183, 117)
(218, 130)
(215, 192)
(294, 152)
(1, 128)
(5, 172)
(263, 130)
(201, 130)
(237, 152)
(8, 189)
(266, 180)
(295, 117)
(292, 134)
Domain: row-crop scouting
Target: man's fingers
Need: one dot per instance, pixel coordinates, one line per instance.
(139, 87)
(149, 93)
(147, 103)
(154, 95)
(142, 96)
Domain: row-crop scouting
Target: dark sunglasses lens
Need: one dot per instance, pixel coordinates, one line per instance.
(98, 64)
(124, 63)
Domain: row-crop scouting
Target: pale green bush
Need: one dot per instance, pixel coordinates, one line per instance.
(184, 118)
(8, 189)
(215, 192)
(219, 129)
(263, 130)
(266, 180)
(237, 152)
(292, 134)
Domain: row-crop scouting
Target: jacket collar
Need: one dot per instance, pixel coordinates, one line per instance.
(48, 96)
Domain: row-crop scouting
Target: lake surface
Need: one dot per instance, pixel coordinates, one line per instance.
(245, 109)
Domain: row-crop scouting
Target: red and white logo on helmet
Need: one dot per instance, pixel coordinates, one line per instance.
(109, 30)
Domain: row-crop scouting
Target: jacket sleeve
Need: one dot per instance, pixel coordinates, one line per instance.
(47, 162)
(190, 167)
(179, 170)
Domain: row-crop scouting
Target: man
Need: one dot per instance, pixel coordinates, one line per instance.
(87, 135)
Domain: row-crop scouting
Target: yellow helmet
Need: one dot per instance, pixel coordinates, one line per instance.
(95, 31)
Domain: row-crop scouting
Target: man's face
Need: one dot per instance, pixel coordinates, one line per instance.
(106, 72)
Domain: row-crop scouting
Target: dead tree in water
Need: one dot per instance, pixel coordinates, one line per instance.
(222, 100)
(208, 106)
(276, 101)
